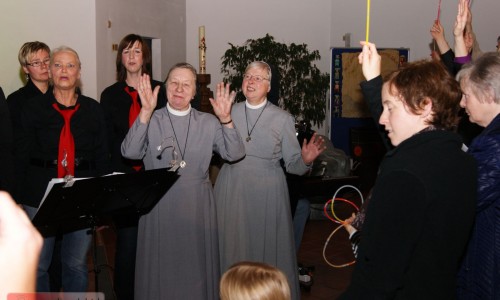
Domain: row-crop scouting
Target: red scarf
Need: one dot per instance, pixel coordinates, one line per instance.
(66, 143)
(135, 108)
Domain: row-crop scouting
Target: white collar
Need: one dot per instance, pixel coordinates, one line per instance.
(180, 113)
(256, 106)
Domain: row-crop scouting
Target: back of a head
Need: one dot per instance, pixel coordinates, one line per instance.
(254, 281)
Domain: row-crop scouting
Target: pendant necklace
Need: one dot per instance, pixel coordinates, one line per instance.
(249, 132)
(182, 164)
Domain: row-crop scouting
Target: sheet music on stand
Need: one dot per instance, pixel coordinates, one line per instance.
(65, 209)
(61, 180)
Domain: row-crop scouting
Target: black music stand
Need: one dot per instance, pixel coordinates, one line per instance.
(66, 209)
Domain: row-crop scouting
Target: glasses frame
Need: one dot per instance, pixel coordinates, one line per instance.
(39, 63)
(256, 78)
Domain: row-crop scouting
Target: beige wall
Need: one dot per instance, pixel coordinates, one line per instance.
(321, 24)
(83, 25)
(404, 23)
(162, 20)
(54, 22)
(228, 21)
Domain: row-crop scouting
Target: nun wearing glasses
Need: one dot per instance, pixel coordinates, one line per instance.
(253, 206)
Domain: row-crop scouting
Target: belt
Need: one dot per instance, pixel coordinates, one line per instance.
(80, 163)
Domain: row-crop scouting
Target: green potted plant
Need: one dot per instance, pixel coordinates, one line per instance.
(303, 88)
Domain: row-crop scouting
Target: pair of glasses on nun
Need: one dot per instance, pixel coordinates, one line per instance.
(169, 142)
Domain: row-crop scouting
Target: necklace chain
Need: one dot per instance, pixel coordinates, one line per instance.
(175, 136)
(246, 118)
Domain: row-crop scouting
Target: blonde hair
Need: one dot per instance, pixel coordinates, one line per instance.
(65, 49)
(254, 281)
(29, 49)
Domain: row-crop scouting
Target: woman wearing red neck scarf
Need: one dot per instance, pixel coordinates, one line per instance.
(62, 136)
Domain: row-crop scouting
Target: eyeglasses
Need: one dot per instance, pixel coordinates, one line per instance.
(69, 66)
(256, 78)
(38, 63)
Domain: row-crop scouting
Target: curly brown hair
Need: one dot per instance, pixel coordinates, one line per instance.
(422, 81)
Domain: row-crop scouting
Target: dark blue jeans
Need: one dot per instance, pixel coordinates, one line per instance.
(302, 212)
(74, 248)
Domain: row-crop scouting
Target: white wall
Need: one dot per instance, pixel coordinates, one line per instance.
(321, 24)
(53, 22)
(164, 20)
(396, 23)
(83, 25)
(228, 21)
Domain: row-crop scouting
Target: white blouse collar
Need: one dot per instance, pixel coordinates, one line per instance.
(256, 106)
(180, 113)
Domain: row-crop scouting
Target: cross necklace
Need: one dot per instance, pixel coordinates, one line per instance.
(183, 162)
(249, 138)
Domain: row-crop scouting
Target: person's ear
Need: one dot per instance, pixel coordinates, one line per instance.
(26, 71)
(427, 109)
(489, 95)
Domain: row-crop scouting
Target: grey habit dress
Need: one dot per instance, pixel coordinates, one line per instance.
(253, 206)
(177, 247)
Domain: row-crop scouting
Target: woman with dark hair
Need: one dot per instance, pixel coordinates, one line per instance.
(421, 210)
(121, 104)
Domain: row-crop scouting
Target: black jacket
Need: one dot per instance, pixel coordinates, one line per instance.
(6, 147)
(418, 221)
(116, 102)
(38, 144)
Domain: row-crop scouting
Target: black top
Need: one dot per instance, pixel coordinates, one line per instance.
(116, 102)
(17, 99)
(6, 146)
(372, 93)
(39, 142)
(418, 221)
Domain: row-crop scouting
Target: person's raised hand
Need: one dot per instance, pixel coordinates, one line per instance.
(347, 224)
(437, 31)
(223, 102)
(370, 60)
(461, 19)
(313, 148)
(148, 98)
